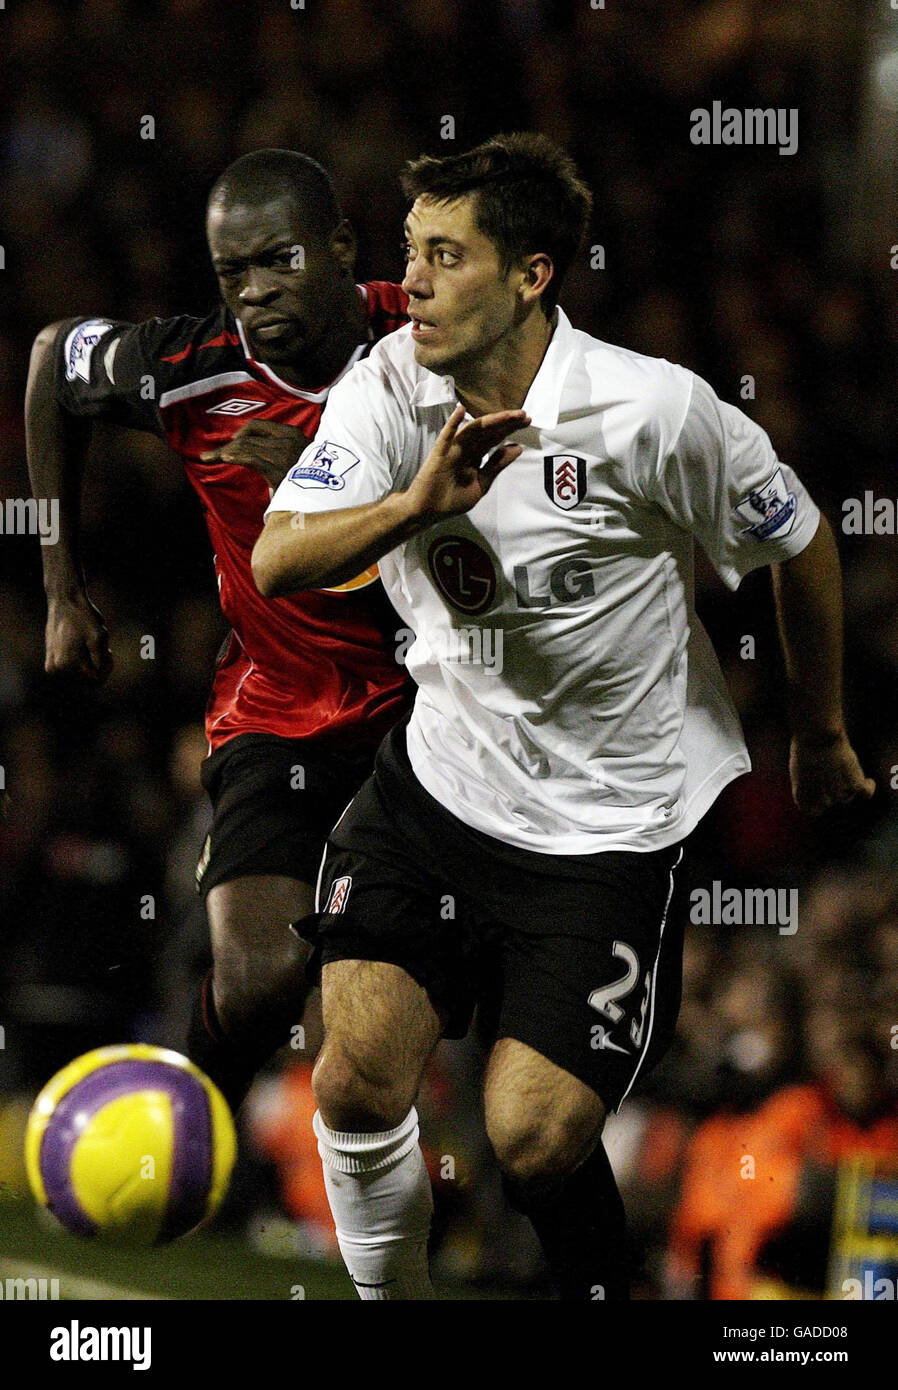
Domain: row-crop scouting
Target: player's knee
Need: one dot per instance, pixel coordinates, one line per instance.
(242, 999)
(355, 1097)
(249, 985)
(540, 1145)
(238, 999)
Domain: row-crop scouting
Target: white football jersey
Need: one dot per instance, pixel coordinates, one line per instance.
(569, 699)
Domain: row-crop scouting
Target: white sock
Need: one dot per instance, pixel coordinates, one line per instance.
(381, 1202)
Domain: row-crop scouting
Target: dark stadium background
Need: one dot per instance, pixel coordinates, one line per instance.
(732, 261)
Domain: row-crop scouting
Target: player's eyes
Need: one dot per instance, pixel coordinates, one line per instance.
(228, 272)
(442, 254)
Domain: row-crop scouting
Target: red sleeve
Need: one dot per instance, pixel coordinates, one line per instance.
(386, 306)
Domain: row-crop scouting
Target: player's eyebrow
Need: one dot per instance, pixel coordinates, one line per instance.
(440, 239)
(284, 244)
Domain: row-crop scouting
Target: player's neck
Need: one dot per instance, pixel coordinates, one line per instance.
(501, 380)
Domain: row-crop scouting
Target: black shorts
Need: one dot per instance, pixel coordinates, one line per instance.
(273, 802)
(579, 956)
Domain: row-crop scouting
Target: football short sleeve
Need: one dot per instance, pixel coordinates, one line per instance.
(349, 462)
(722, 481)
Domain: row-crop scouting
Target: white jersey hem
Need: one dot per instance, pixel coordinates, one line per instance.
(638, 842)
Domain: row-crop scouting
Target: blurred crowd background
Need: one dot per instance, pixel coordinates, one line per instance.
(737, 262)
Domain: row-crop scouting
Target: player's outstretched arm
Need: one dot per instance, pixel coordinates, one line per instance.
(807, 588)
(299, 550)
(57, 442)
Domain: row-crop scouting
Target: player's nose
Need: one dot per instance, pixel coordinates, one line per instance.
(415, 282)
(258, 290)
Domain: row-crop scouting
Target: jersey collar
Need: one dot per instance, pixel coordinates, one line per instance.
(543, 401)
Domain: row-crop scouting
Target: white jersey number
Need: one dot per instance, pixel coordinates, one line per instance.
(605, 999)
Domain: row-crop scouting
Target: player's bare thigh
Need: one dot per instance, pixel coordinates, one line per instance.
(379, 1030)
(541, 1120)
(256, 955)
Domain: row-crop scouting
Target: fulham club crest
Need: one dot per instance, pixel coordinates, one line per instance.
(339, 894)
(565, 479)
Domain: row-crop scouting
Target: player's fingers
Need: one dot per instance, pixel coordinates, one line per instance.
(210, 455)
(261, 461)
(495, 426)
(510, 419)
(500, 421)
(86, 664)
(500, 459)
(263, 428)
(240, 451)
(63, 656)
(450, 429)
(851, 784)
(261, 431)
(478, 437)
(100, 654)
(822, 801)
(274, 429)
(865, 788)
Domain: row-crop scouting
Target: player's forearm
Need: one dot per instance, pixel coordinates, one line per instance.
(808, 594)
(299, 550)
(57, 446)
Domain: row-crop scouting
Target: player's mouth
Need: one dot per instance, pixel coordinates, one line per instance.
(421, 329)
(268, 330)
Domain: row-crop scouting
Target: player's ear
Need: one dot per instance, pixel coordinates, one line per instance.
(537, 272)
(343, 247)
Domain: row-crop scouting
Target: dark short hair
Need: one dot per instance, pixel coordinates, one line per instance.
(528, 194)
(265, 174)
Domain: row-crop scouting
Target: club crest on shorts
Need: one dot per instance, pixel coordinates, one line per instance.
(565, 476)
(339, 893)
(203, 864)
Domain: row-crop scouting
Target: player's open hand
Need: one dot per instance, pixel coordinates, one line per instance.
(76, 639)
(826, 773)
(454, 476)
(267, 446)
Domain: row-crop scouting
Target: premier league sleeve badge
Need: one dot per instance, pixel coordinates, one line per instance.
(769, 510)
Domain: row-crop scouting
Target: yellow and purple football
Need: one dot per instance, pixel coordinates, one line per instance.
(131, 1144)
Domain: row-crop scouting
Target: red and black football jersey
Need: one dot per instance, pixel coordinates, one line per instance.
(320, 664)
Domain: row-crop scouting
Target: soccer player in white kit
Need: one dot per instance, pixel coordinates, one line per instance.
(531, 493)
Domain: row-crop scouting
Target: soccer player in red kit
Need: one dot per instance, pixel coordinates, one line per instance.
(306, 686)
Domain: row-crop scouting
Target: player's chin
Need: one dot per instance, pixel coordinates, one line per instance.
(435, 359)
(282, 349)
